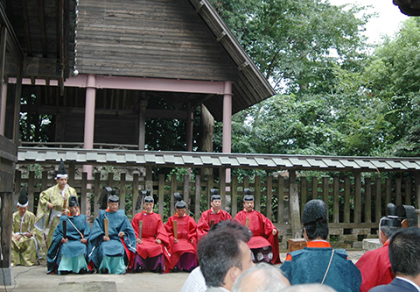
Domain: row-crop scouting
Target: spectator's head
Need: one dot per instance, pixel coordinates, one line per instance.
(315, 220)
(261, 278)
(309, 288)
(404, 253)
(387, 227)
(223, 254)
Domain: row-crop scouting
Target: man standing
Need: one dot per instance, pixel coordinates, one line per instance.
(183, 242)
(264, 243)
(112, 240)
(51, 204)
(404, 254)
(152, 240)
(223, 255)
(212, 216)
(68, 250)
(375, 265)
(318, 262)
(24, 243)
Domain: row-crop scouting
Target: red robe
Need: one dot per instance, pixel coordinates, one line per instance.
(153, 229)
(186, 232)
(262, 230)
(375, 268)
(203, 225)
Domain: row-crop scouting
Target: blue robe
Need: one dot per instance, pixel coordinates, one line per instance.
(73, 248)
(310, 264)
(117, 222)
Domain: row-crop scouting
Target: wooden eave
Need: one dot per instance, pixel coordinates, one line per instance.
(252, 86)
(408, 7)
(78, 156)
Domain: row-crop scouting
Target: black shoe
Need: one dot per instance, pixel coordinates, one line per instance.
(158, 270)
(63, 273)
(104, 271)
(140, 269)
(175, 269)
(83, 271)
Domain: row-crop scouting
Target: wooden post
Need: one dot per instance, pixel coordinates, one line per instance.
(398, 199)
(417, 188)
(18, 187)
(347, 200)
(378, 201)
(71, 173)
(269, 197)
(280, 205)
(368, 201)
(187, 188)
(325, 190)
(142, 123)
(336, 200)
(31, 187)
(357, 197)
(304, 192)
(222, 186)
(6, 233)
(408, 189)
(161, 193)
(83, 193)
(123, 190)
(197, 197)
(387, 192)
(294, 206)
(173, 190)
(135, 193)
(257, 206)
(97, 192)
(234, 191)
(314, 188)
(210, 183)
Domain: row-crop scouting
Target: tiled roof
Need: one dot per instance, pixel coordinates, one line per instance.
(79, 156)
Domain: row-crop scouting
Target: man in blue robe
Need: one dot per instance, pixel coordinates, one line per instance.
(319, 262)
(68, 253)
(113, 253)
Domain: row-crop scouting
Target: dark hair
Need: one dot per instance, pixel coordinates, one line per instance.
(317, 229)
(389, 230)
(243, 233)
(404, 252)
(219, 251)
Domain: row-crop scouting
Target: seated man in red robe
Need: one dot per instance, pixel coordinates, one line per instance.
(212, 216)
(264, 243)
(375, 265)
(183, 236)
(152, 240)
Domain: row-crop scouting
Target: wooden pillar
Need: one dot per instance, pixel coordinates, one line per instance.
(368, 201)
(6, 233)
(417, 189)
(142, 124)
(190, 127)
(18, 95)
(161, 193)
(3, 81)
(357, 197)
(398, 198)
(222, 186)
(197, 197)
(294, 206)
(336, 200)
(378, 200)
(227, 123)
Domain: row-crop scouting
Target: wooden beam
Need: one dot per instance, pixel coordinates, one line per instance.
(43, 29)
(26, 27)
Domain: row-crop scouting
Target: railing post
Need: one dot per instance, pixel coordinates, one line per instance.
(197, 197)
(294, 205)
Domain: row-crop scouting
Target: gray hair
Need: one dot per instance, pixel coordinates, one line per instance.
(261, 278)
(309, 288)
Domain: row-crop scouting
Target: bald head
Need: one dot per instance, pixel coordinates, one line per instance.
(309, 288)
(261, 278)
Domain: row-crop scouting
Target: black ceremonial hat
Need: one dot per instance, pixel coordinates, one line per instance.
(149, 199)
(315, 210)
(113, 198)
(61, 170)
(73, 201)
(248, 196)
(392, 219)
(180, 205)
(23, 198)
(214, 195)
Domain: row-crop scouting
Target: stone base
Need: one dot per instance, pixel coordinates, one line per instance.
(6, 276)
(371, 244)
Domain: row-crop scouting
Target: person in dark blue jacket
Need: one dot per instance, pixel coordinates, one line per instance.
(69, 253)
(319, 262)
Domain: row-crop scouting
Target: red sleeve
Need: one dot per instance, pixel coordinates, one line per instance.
(161, 232)
(203, 226)
(192, 231)
(169, 227)
(135, 224)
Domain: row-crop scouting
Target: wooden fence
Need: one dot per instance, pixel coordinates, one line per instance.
(355, 206)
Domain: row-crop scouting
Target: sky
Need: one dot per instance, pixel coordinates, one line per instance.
(387, 22)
